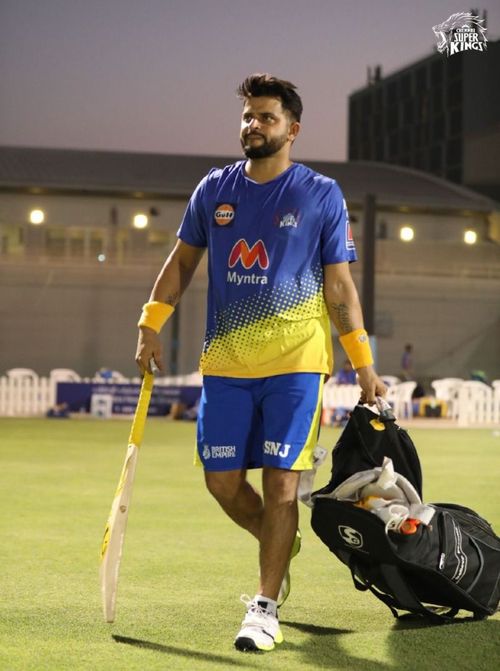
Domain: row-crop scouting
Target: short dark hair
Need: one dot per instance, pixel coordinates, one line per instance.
(259, 85)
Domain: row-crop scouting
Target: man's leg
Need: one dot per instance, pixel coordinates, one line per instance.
(279, 518)
(278, 527)
(237, 498)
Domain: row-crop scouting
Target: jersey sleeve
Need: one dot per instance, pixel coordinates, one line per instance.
(337, 243)
(194, 226)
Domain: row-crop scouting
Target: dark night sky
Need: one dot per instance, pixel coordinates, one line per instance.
(160, 75)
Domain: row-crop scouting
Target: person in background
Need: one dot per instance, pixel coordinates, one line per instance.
(347, 374)
(407, 370)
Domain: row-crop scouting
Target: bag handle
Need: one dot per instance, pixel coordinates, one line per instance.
(385, 410)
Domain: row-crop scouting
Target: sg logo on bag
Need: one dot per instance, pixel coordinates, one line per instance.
(350, 536)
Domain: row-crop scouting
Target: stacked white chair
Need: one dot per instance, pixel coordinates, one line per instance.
(24, 395)
(446, 389)
(475, 403)
(337, 396)
(496, 401)
(400, 397)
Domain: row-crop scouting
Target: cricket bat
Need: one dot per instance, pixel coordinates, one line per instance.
(114, 533)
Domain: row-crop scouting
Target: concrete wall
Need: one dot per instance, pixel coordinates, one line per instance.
(85, 317)
(453, 323)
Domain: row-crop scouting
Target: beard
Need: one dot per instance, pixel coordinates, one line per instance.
(266, 148)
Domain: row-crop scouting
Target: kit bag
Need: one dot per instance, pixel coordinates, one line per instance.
(449, 565)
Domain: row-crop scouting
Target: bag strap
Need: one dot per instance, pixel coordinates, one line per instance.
(404, 597)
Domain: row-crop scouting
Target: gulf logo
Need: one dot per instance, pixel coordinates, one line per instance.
(224, 214)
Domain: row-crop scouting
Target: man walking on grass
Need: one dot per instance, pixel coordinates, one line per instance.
(279, 248)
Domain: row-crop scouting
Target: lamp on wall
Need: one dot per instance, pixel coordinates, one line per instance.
(470, 237)
(37, 217)
(140, 221)
(406, 233)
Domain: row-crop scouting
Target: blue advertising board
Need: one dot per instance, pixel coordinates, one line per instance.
(78, 396)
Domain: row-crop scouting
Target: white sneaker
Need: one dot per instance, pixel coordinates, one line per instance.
(260, 629)
(286, 584)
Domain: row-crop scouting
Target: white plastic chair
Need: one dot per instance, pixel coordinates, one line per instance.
(475, 403)
(337, 396)
(446, 389)
(22, 392)
(21, 373)
(496, 401)
(64, 375)
(400, 396)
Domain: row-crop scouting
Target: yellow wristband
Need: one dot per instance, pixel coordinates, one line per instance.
(155, 314)
(357, 347)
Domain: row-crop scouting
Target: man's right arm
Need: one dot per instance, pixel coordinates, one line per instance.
(170, 284)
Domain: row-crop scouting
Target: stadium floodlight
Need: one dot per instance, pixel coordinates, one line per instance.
(470, 237)
(37, 217)
(406, 233)
(140, 221)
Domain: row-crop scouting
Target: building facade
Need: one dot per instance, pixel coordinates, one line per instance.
(84, 235)
(440, 114)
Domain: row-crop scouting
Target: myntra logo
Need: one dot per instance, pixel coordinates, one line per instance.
(249, 256)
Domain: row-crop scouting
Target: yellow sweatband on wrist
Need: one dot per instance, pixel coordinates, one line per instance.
(155, 314)
(357, 347)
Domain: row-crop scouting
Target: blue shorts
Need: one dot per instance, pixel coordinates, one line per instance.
(253, 422)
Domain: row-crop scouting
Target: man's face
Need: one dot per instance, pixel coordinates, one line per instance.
(265, 127)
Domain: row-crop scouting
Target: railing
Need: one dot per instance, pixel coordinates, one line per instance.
(23, 393)
(471, 403)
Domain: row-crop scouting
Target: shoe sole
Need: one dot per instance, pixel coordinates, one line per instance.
(245, 644)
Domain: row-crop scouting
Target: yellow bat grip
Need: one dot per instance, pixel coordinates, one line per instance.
(141, 411)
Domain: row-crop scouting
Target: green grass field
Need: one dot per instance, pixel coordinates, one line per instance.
(185, 564)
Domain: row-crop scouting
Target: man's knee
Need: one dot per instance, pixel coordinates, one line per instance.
(224, 485)
(280, 486)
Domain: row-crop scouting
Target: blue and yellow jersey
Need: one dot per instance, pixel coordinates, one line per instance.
(267, 245)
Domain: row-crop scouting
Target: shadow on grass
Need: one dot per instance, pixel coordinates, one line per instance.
(181, 652)
(324, 649)
(410, 643)
(315, 629)
(463, 643)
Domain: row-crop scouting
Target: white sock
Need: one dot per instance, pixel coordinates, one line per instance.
(267, 603)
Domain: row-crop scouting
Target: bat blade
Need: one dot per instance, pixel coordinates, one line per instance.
(114, 535)
(114, 532)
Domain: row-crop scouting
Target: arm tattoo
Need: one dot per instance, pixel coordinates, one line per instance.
(173, 298)
(341, 317)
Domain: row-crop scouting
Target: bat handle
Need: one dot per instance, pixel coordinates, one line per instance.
(141, 411)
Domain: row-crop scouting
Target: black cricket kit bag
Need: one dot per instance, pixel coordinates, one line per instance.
(432, 560)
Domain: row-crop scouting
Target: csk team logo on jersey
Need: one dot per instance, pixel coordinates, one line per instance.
(349, 240)
(288, 220)
(249, 256)
(224, 214)
(462, 31)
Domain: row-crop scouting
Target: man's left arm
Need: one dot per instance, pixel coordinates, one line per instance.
(344, 309)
